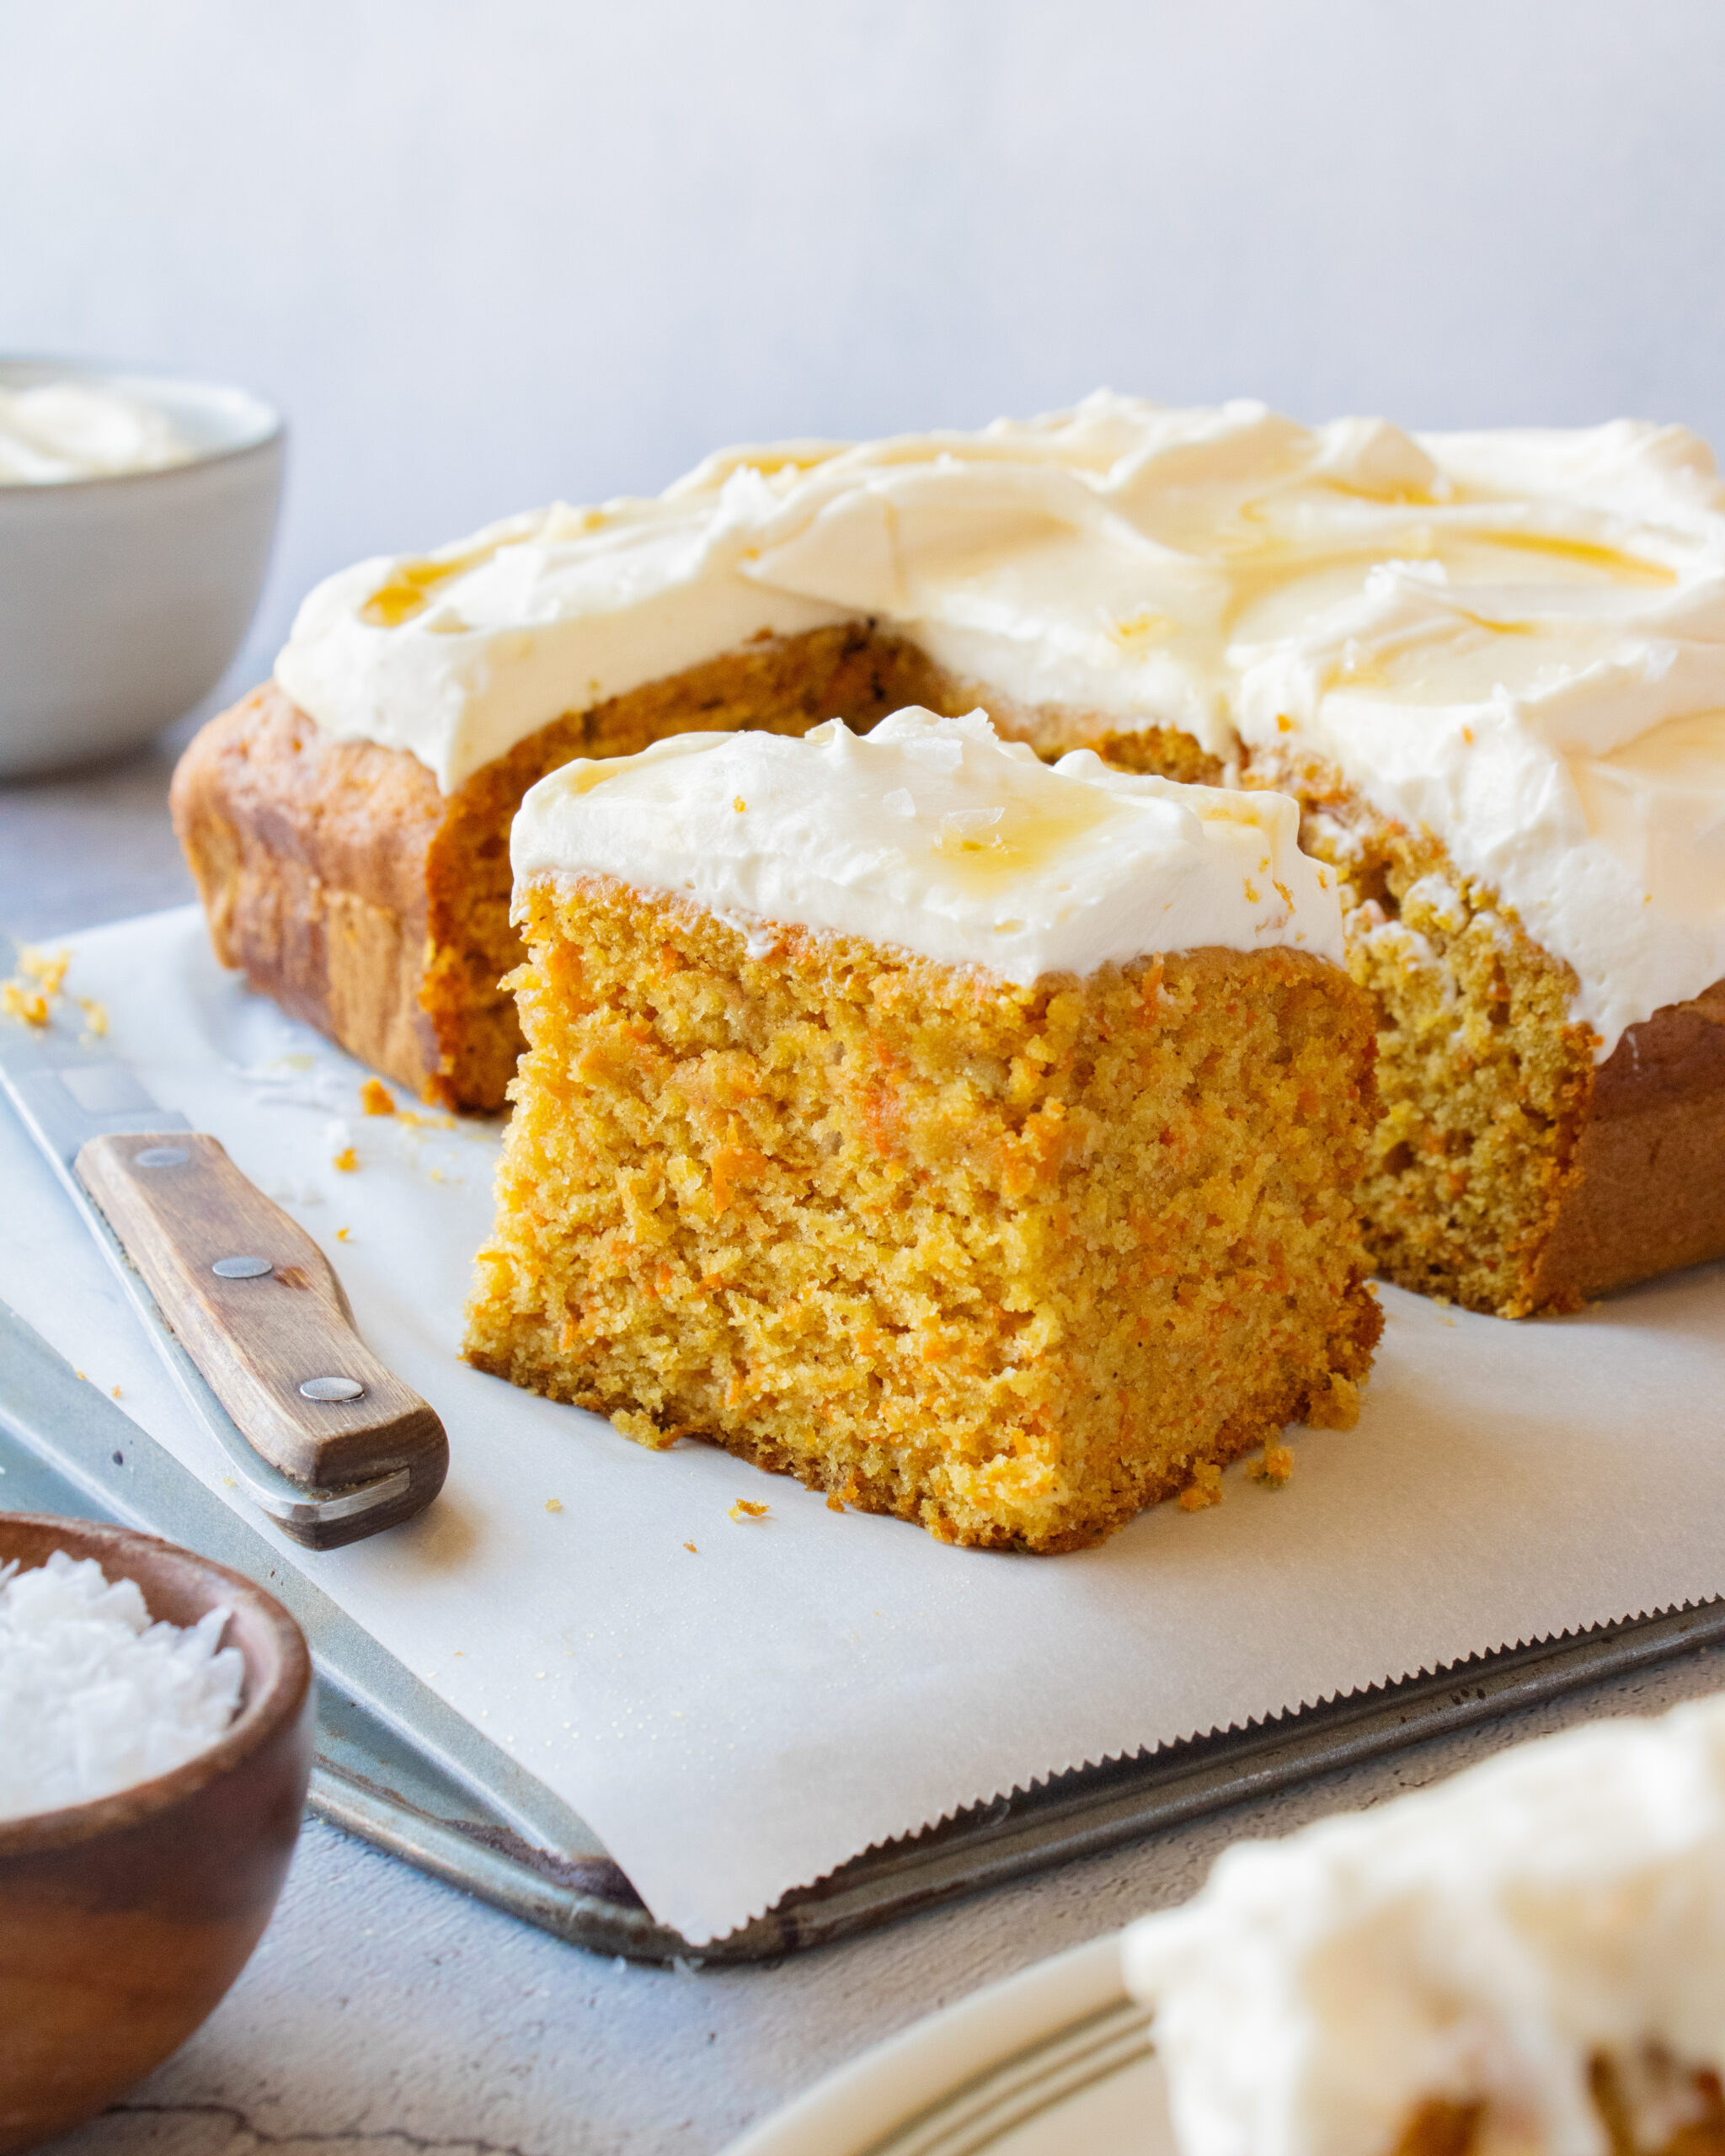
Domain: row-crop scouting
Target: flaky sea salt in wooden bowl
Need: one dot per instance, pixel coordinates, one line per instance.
(124, 1917)
(94, 1697)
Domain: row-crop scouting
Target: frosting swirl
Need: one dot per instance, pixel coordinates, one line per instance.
(1516, 638)
(931, 834)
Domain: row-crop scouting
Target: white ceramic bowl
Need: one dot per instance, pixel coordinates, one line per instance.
(123, 600)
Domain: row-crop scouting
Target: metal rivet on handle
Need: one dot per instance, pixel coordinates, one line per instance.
(332, 1388)
(241, 1268)
(161, 1156)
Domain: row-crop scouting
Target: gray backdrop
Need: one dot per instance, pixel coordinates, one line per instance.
(490, 252)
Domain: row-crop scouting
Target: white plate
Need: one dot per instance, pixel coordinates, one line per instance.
(1054, 2060)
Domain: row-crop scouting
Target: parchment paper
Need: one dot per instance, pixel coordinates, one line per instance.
(737, 1719)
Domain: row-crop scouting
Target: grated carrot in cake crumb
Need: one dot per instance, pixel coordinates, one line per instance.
(691, 1549)
(375, 1098)
(1482, 1076)
(1009, 1261)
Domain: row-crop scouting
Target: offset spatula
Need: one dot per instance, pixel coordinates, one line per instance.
(243, 1304)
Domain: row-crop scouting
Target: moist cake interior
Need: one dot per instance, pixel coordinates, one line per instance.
(1012, 1262)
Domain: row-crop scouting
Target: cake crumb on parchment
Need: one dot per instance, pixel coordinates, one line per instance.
(746, 1508)
(1276, 1468)
(375, 1098)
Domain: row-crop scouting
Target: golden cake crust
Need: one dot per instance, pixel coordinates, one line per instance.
(310, 857)
(1646, 1192)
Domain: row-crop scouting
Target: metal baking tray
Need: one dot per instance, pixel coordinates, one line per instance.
(400, 1769)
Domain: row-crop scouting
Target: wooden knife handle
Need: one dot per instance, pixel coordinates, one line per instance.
(259, 1338)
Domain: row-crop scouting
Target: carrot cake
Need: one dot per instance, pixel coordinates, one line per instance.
(1490, 666)
(972, 1138)
(1526, 1961)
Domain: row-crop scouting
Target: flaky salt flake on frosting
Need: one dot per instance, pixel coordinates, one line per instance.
(1479, 1942)
(932, 836)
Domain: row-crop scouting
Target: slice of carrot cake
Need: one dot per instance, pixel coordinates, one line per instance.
(972, 1138)
(1526, 1961)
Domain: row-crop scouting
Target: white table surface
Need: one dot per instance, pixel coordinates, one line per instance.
(384, 2012)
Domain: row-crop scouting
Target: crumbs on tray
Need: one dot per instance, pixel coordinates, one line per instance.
(745, 1509)
(19, 1000)
(375, 1098)
(48, 970)
(31, 994)
(347, 1159)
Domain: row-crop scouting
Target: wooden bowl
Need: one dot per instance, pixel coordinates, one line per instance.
(122, 1922)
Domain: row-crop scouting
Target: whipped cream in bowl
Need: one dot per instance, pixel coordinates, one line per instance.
(63, 422)
(53, 431)
(136, 513)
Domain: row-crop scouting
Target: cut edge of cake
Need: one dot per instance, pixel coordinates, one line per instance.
(989, 1257)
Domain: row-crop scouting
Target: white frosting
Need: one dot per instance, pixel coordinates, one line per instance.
(1517, 638)
(61, 431)
(1479, 1942)
(931, 836)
